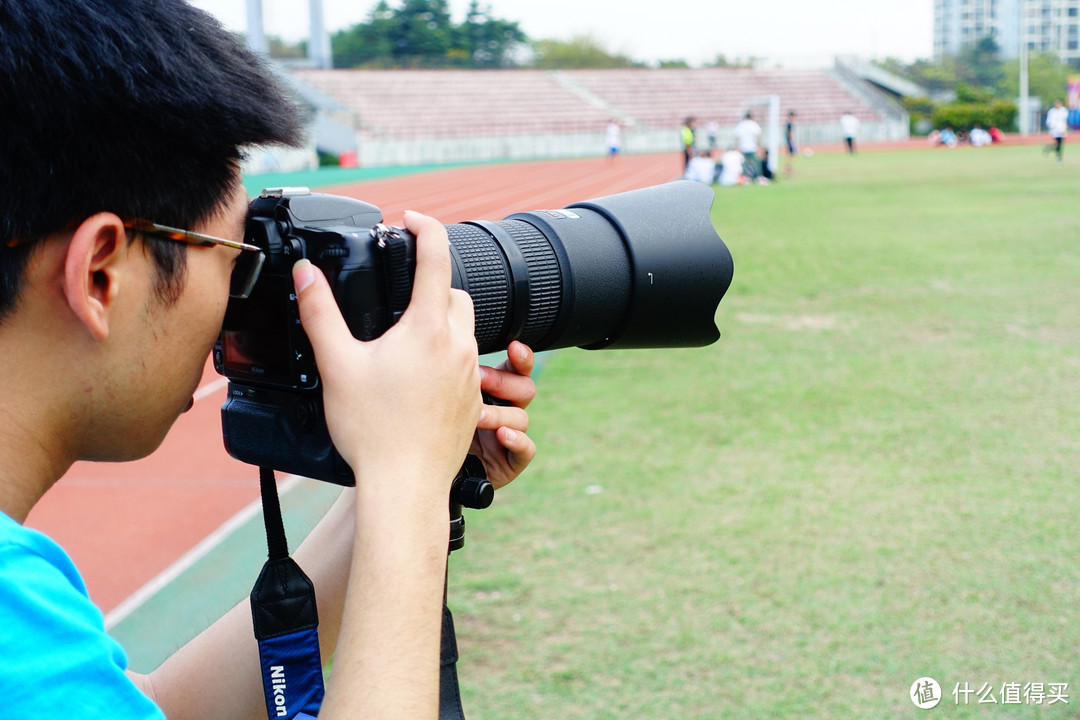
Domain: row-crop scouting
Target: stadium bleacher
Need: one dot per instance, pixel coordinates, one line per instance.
(662, 98)
(411, 106)
(454, 103)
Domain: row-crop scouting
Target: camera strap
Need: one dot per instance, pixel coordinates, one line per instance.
(286, 622)
(285, 619)
(472, 489)
(449, 692)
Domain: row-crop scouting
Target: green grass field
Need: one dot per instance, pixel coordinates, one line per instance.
(870, 478)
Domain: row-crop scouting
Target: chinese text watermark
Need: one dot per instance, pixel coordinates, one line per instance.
(926, 693)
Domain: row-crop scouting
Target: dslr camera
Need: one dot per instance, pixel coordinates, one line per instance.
(641, 269)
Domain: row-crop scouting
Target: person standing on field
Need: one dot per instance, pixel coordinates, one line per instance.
(1057, 124)
(613, 139)
(747, 132)
(792, 143)
(849, 126)
(686, 136)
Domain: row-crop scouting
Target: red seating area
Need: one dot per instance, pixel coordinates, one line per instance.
(455, 103)
(409, 104)
(663, 98)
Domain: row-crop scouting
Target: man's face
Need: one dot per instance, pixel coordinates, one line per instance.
(172, 341)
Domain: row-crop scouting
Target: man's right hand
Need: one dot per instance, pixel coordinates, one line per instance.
(409, 399)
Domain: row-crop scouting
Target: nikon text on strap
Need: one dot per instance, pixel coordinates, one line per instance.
(286, 619)
(286, 622)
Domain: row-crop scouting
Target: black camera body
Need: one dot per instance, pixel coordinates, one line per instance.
(635, 270)
(273, 415)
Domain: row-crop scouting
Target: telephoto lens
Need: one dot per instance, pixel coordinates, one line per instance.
(640, 269)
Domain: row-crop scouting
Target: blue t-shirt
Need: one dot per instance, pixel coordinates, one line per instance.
(57, 660)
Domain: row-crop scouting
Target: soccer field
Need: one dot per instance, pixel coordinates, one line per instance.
(871, 478)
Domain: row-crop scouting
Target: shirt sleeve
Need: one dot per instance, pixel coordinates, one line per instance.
(58, 661)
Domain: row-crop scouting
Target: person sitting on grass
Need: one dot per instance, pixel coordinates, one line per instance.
(702, 168)
(732, 168)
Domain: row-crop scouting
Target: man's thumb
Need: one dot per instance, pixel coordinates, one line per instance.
(319, 313)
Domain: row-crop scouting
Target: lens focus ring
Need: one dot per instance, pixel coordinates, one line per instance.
(493, 281)
(487, 279)
(545, 282)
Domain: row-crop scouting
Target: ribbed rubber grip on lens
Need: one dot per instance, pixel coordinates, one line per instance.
(487, 279)
(545, 281)
(492, 281)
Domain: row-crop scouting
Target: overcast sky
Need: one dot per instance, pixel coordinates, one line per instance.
(791, 32)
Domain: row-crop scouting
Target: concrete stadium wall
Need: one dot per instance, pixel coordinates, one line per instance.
(380, 153)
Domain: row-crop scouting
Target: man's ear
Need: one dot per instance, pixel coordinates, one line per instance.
(93, 268)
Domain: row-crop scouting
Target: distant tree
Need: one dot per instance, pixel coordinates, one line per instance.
(722, 60)
(936, 77)
(919, 110)
(284, 50)
(967, 94)
(978, 64)
(893, 64)
(366, 44)
(966, 115)
(1047, 79)
(985, 86)
(978, 67)
(978, 80)
(486, 41)
(581, 51)
(421, 33)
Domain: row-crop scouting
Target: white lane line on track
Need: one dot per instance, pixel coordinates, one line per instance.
(192, 556)
(210, 388)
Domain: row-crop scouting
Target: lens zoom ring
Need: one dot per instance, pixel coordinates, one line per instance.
(487, 279)
(545, 281)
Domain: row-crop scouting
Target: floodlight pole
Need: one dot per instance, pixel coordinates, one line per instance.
(1025, 111)
(256, 35)
(319, 42)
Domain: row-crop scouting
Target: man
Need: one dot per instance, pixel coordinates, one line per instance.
(732, 166)
(792, 143)
(118, 112)
(702, 168)
(979, 137)
(613, 139)
(849, 127)
(747, 132)
(1057, 124)
(686, 137)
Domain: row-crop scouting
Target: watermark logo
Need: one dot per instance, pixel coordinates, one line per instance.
(925, 693)
(1012, 693)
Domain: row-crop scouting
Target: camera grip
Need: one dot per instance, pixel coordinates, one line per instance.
(284, 431)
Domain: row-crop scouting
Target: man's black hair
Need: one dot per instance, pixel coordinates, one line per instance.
(138, 107)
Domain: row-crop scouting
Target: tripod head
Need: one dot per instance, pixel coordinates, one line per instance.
(470, 489)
